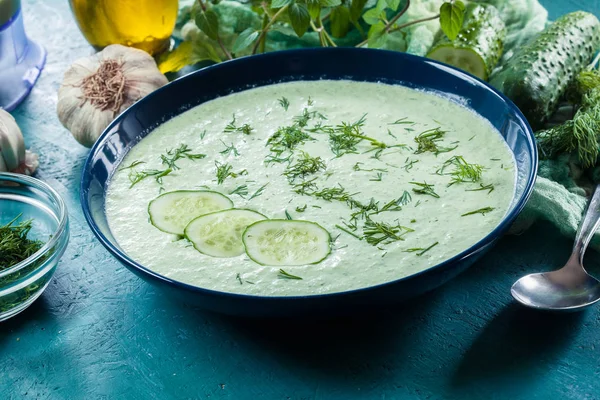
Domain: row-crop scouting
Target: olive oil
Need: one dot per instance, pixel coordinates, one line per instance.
(144, 24)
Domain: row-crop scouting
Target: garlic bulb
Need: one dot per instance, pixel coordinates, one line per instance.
(13, 156)
(97, 88)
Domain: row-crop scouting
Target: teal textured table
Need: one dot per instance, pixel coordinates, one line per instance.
(98, 332)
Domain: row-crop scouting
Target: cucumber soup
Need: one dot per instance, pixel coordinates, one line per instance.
(310, 187)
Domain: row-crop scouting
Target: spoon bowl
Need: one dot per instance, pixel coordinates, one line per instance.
(561, 290)
(570, 288)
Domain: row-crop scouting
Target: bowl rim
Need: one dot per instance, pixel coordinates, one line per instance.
(489, 238)
(57, 235)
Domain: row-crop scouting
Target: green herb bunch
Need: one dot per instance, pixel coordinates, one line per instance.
(330, 20)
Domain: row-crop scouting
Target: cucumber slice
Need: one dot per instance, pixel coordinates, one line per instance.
(287, 242)
(219, 234)
(171, 212)
(479, 44)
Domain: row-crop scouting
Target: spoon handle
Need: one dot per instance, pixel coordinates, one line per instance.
(587, 227)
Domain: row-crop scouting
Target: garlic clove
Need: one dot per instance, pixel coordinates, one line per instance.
(12, 145)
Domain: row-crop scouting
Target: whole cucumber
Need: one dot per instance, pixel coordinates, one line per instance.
(538, 74)
(478, 46)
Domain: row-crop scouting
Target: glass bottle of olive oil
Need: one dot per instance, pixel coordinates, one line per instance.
(145, 24)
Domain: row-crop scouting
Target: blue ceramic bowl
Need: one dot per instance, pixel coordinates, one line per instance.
(312, 64)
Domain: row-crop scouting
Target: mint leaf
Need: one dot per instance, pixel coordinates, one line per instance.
(300, 18)
(377, 35)
(340, 21)
(330, 3)
(452, 15)
(373, 16)
(280, 3)
(393, 4)
(208, 22)
(356, 9)
(245, 39)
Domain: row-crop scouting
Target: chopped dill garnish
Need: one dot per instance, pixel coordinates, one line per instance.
(259, 192)
(402, 121)
(173, 155)
(232, 127)
(471, 138)
(302, 120)
(285, 275)
(286, 138)
(489, 188)
(310, 101)
(409, 164)
(132, 165)
(301, 209)
(348, 232)
(287, 215)
(481, 211)
(418, 203)
(428, 141)
(239, 278)
(362, 210)
(424, 188)
(277, 159)
(202, 134)
(316, 206)
(420, 250)
(495, 159)
(357, 167)
(224, 172)
(284, 102)
(229, 149)
(396, 205)
(333, 193)
(14, 244)
(462, 172)
(391, 134)
(305, 187)
(136, 177)
(376, 233)
(305, 165)
(377, 177)
(241, 191)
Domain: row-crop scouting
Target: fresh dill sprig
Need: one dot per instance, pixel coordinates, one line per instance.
(402, 121)
(429, 141)
(241, 191)
(302, 120)
(286, 138)
(361, 210)
(136, 177)
(132, 165)
(305, 165)
(341, 228)
(305, 187)
(224, 172)
(376, 233)
(481, 211)
(271, 159)
(173, 155)
(286, 275)
(462, 170)
(424, 188)
(259, 192)
(346, 136)
(284, 102)
(333, 193)
(357, 167)
(301, 209)
(409, 164)
(397, 204)
(420, 250)
(377, 178)
(229, 149)
(14, 244)
(489, 188)
(232, 127)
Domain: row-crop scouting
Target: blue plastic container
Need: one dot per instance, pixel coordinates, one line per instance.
(21, 60)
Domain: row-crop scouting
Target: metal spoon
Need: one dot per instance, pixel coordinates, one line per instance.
(569, 288)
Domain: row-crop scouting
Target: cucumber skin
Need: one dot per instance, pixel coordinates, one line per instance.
(537, 76)
(483, 31)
